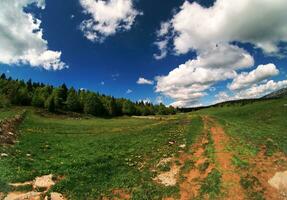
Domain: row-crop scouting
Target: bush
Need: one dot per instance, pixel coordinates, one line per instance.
(4, 102)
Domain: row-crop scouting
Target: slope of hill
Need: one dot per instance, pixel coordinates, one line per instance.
(208, 154)
(277, 94)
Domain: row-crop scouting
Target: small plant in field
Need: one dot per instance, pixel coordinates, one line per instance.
(177, 162)
(253, 188)
(242, 164)
(203, 167)
(211, 186)
(271, 147)
(189, 164)
(165, 167)
(209, 149)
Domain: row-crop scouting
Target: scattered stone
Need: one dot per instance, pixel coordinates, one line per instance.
(44, 181)
(10, 133)
(172, 142)
(21, 184)
(28, 155)
(23, 196)
(279, 181)
(182, 146)
(168, 178)
(164, 161)
(2, 195)
(4, 155)
(57, 196)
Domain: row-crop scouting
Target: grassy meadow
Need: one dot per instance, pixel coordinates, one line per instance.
(95, 156)
(255, 124)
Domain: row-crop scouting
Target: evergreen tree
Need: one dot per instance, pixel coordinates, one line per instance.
(93, 105)
(73, 102)
(128, 108)
(50, 104)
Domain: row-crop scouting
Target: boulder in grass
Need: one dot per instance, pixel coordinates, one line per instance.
(4, 155)
(279, 181)
(44, 182)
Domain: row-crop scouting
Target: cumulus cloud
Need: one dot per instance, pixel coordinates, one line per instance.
(163, 40)
(143, 81)
(252, 92)
(162, 46)
(213, 34)
(260, 90)
(22, 37)
(107, 18)
(261, 23)
(187, 83)
(246, 79)
(222, 97)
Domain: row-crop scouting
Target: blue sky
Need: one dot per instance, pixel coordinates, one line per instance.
(113, 63)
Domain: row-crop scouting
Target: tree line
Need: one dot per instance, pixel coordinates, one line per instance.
(55, 99)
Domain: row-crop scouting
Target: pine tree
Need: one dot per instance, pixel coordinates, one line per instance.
(73, 102)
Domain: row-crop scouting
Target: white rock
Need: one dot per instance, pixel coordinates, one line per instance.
(57, 196)
(10, 133)
(279, 181)
(23, 196)
(4, 155)
(44, 181)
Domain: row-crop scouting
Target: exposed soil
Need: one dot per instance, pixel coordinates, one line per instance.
(191, 184)
(168, 178)
(230, 177)
(121, 195)
(264, 168)
(8, 127)
(42, 183)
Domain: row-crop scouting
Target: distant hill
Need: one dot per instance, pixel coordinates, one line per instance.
(282, 93)
(277, 94)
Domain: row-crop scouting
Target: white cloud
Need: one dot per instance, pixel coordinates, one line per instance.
(254, 91)
(164, 29)
(163, 40)
(222, 97)
(115, 76)
(259, 22)
(159, 100)
(185, 104)
(187, 83)
(259, 74)
(145, 101)
(107, 17)
(260, 90)
(212, 33)
(162, 46)
(102, 83)
(22, 38)
(129, 91)
(143, 81)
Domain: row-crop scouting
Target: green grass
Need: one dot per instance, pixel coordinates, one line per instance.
(255, 124)
(96, 155)
(253, 187)
(211, 186)
(9, 112)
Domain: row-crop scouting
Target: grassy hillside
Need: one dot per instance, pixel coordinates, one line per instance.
(5, 113)
(96, 155)
(257, 123)
(207, 154)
